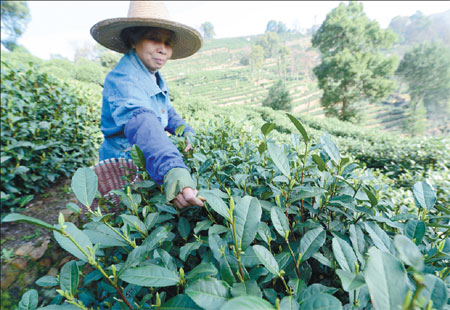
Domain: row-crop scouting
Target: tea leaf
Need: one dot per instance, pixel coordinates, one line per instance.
(47, 281)
(29, 300)
(248, 214)
(150, 275)
(73, 207)
(267, 259)
(387, 280)
(424, 195)
(133, 221)
(299, 127)
(248, 288)
(84, 185)
(79, 236)
(15, 217)
(180, 301)
(289, 303)
(311, 242)
(350, 281)
(279, 158)
(344, 254)
(321, 301)
(408, 252)
(137, 156)
(330, 148)
(247, 303)
(267, 128)
(186, 249)
(179, 130)
(202, 270)
(208, 293)
(215, 203)
(435, 290)
(379, 237)
(279, 221)
(184, 228)
(358, 241)
(69, 278)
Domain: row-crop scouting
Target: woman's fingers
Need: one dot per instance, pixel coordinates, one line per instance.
(180, 198)
(177, 203)
(188, 197)
(188, 148)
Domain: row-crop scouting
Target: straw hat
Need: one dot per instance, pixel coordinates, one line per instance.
(186, 41)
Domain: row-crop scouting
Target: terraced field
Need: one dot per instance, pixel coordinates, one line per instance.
(216, 74)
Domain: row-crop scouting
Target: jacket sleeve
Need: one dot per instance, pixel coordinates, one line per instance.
(176, 121)
(161, 155)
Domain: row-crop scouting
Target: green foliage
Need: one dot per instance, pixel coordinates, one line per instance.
(48, 130)
(15, 18)
(270, 42)
(90, 72)
(257, 58)
(419, 28)
(277, 27)
(295, 226)
(109, 59)
(207, 30)
(426, 69)
(278, 97)
(416, 121)
(352, 68)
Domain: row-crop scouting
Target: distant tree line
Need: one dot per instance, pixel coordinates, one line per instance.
(419, 28)
(14, 21)
(354, 68)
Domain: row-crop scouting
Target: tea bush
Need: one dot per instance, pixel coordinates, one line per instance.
(286, 226)
(402, 159)
(49, 129)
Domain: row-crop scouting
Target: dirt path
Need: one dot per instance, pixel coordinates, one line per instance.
(29, 252)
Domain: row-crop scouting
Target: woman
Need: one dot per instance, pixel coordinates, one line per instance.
(136, 107)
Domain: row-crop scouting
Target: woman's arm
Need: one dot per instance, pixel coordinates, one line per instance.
(175, 121)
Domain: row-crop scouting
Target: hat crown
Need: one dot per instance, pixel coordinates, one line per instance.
(148, 9)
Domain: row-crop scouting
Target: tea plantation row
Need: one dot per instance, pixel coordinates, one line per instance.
(295, 225)
(293, 220)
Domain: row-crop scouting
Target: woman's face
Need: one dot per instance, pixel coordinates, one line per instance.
(155, 48)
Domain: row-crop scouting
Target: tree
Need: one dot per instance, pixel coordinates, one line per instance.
(14, 21)
(283, 53)
(415, 123)
(208, 30)
(109, 59)
(257, 59)
(277, 27)
(352, 68)
(419, 28)
(426, 69)
(270, 42)
(278, 97)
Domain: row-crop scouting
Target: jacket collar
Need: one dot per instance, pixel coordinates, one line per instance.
(139, 65)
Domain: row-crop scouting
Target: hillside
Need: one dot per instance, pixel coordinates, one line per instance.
(217, 74)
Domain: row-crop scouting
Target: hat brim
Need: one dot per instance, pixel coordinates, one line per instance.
(186, 40)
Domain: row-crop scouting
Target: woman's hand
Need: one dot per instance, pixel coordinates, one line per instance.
(188, 197)
(188, 147)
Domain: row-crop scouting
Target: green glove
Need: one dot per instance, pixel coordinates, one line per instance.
(189, 135)
(175, 180)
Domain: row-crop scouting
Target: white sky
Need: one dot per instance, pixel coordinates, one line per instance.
(59, 27)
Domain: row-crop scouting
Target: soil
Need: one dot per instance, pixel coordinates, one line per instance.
(32, 251)
(45, 206)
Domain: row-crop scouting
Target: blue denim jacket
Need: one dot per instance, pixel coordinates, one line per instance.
(136, 110)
